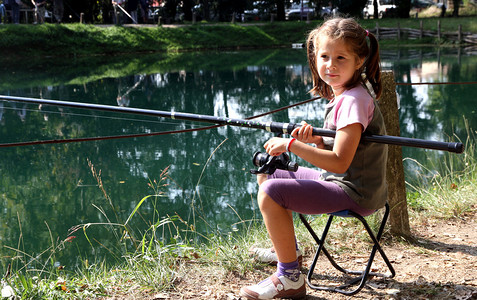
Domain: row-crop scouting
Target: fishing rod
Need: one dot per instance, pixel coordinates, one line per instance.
(276, 127)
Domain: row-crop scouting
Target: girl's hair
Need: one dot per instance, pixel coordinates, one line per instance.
(356, 38)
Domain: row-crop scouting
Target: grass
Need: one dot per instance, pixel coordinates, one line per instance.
(451, 190)
(66, 40)
(171, 248)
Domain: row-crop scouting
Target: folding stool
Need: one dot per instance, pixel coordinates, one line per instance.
(362, 276)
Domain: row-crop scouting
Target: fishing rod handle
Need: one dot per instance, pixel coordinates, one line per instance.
(454, 147)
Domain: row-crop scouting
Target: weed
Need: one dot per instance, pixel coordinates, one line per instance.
(450, 192)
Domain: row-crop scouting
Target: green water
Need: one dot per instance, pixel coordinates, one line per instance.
(46, 190)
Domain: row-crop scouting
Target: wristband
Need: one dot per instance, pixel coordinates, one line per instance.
(289, 144)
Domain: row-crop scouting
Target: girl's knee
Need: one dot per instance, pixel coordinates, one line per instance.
(265, 201)
(262, 197)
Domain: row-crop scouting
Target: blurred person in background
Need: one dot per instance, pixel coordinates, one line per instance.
(58, 10)
(132, 10)
(39, 11)
(144, 7)
(117, 18)
(15, 7)
(3, 12)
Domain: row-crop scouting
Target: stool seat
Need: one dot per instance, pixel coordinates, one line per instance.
(361, 276)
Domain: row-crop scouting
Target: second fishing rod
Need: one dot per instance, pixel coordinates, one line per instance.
(275, 127)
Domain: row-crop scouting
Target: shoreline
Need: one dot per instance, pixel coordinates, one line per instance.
(73, 40)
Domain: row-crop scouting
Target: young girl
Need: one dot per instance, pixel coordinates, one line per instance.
(344, 60)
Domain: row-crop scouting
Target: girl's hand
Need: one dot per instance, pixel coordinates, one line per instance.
(305, 134)
(276, 146)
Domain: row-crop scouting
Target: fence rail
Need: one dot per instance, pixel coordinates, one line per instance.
(410, 33)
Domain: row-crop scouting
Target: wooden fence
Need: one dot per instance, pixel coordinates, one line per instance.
(409, 33)
(410, 53)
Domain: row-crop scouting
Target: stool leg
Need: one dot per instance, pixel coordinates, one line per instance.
(376, 239)
(319, 242)
(363, 275)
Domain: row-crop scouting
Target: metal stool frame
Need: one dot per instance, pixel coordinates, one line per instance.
(362, 275)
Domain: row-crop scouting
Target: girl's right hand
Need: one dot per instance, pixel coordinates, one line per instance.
(276, 146)
(305, 134)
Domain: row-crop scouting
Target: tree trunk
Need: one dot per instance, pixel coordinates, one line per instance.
(398, 218)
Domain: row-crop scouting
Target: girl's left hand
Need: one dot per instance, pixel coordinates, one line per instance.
(305, 134)
(276, 146)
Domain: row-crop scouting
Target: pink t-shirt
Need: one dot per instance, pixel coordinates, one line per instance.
(352, 106)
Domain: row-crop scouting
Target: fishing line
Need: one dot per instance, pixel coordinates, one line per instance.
(114, 137)
(434, 83)
(16, 109)
(64, 141)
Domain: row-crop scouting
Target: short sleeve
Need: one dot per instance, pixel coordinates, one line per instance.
(354, 106)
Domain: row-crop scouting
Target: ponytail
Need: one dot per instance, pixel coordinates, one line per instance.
(372, 68)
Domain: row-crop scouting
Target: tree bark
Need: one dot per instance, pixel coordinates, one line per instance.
(398, 218)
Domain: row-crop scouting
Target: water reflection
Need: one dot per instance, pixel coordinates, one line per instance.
(47, 189)
(437, 112)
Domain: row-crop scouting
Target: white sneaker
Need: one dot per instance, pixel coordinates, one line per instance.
(276, 287)
(269, 256)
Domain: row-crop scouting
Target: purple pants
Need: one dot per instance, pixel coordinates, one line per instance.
(306, 192)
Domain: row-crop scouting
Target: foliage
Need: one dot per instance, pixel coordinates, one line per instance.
(174, 11)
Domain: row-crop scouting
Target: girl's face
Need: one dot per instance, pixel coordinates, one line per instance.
(336, 64)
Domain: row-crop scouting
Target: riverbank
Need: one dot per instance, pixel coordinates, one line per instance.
(192, 265)
(71, 40)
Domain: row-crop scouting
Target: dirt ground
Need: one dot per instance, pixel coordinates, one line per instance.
(442, 264)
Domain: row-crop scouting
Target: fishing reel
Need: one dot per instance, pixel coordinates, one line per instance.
(269, 164)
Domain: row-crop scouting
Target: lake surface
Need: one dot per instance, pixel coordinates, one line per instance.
(47, 190)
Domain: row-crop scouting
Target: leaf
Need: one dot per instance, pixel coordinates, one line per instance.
(136, 208)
